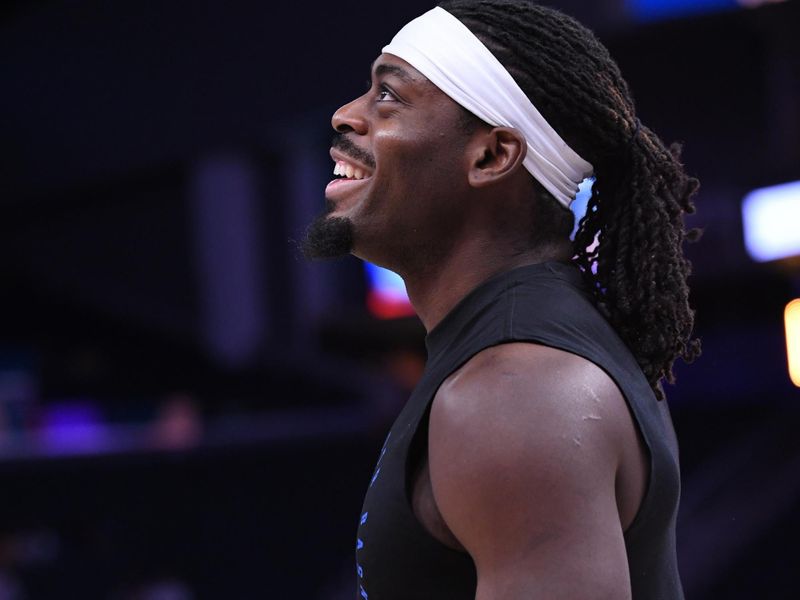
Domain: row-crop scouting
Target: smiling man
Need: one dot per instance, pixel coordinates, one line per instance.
(536, 458)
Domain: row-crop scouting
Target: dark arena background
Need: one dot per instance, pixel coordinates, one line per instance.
(189, 410)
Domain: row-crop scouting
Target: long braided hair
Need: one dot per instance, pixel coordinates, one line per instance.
(629, 245)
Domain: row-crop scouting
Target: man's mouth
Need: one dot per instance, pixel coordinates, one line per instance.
(347, 175)
(348, 171)
(350, 174)
(347, 167)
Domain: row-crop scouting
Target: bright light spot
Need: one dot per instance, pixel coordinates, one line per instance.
(771, 220)
(578, 206)
(386, 293)
(792, 320)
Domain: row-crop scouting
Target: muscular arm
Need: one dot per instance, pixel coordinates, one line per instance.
(524, 449)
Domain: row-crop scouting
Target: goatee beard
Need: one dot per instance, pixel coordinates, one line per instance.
(328, 237)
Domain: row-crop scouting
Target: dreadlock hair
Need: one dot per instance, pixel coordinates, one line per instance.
(629, 245)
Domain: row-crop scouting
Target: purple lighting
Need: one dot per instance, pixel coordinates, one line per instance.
(651, 10)
(72, 427)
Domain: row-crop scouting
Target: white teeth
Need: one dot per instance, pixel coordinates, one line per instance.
(349, 171)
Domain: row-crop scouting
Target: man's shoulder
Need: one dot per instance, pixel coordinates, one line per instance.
(527, 408)
(533, 384)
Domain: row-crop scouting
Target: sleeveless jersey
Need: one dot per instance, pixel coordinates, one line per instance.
(397, 559)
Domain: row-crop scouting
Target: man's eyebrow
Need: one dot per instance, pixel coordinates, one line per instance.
(399, 72)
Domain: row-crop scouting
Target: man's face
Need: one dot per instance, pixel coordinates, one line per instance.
(400, 147)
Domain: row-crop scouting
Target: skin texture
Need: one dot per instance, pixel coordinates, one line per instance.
(534, 466)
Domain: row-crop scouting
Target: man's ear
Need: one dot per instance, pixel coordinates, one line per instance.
(494, 155)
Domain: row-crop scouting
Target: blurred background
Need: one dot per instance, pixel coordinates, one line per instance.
(190, 410)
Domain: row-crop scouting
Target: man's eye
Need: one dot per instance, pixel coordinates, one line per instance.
(385, 94)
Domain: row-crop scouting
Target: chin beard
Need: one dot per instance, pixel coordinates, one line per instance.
(328, 237)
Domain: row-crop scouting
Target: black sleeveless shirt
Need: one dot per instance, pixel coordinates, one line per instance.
(397, 559)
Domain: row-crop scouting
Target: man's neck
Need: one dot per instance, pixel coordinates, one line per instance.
(437, 290)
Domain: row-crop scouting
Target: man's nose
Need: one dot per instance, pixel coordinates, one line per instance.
(350, 117)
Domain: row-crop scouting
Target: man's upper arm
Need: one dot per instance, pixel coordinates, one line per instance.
(523, 458)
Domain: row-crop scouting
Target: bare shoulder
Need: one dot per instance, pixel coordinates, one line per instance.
(531, 388)
(524, 446)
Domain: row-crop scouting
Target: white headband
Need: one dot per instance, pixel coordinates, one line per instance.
(445, 51)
